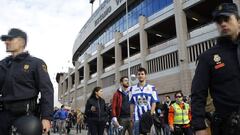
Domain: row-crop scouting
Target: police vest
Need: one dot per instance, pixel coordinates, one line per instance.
(181, 115)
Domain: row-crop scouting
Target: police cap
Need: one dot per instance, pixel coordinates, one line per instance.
(13, 33)
(225, 9)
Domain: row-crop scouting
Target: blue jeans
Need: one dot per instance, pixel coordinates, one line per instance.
(136, 127)
(110, 128)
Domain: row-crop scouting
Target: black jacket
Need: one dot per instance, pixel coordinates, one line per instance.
(101, 111)
(218, 70)
(23, 77)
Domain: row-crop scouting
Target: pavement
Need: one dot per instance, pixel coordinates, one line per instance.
(72, 132)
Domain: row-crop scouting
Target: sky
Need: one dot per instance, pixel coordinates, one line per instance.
(52, 27)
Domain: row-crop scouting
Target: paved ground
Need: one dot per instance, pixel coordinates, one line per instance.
(73, 132)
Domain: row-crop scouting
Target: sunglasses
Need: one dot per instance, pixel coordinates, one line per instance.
(178, 96)
(222, 19)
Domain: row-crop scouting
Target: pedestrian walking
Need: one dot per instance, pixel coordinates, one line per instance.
(62, 114)
(121, 108)
(143, 98)
(96, 112)
(166, 106)
(55, 121)
(80, 123)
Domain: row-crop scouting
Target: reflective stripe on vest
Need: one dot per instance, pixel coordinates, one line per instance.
(181, 115)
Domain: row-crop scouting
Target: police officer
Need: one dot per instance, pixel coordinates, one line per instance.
(22, 77)
(218, 70)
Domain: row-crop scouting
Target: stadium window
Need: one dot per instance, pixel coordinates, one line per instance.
(155, 6)
(162, 4)
(168, 2)
(108, 36)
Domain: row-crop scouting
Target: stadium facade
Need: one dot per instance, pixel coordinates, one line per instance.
(165, 37)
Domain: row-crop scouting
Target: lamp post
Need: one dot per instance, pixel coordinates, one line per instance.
(91, 1)
(128, 46)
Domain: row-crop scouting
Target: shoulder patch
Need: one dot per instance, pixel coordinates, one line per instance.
(26, 67)
(44, 67)
(217, 58)
(218, 61)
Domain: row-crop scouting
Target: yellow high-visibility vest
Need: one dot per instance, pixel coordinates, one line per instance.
(181, 115)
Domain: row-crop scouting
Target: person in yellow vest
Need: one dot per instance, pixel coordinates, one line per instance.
(179, 116)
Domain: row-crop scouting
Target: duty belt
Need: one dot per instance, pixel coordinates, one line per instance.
(4, 106)
(19, 106)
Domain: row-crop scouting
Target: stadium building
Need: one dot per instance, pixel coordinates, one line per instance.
(163, 36)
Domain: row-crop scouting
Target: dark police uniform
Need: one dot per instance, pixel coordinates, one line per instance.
(21, 80)
(218, 70)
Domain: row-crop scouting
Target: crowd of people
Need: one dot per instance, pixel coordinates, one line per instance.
(137, 110)
(65, 119)
(133, 110)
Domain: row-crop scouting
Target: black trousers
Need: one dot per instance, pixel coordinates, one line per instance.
(96, 127)
(223, 126)
(6, 120)
(79, 127)
(179, 130)
(126, 123)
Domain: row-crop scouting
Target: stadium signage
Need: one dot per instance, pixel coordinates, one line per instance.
(106, 12)
(103, 15)
(107, 8)
(118, 2)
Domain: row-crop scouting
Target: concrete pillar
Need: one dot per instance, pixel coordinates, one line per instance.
(64, 89)
(70, 81)
(86, 75)
(238, 4)
(71, 71)
(182, 36)
(118, 58)
(60, 89)
(76, 79)
(69, 87)
(64, 84)
(143, 41)
(99, 65)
